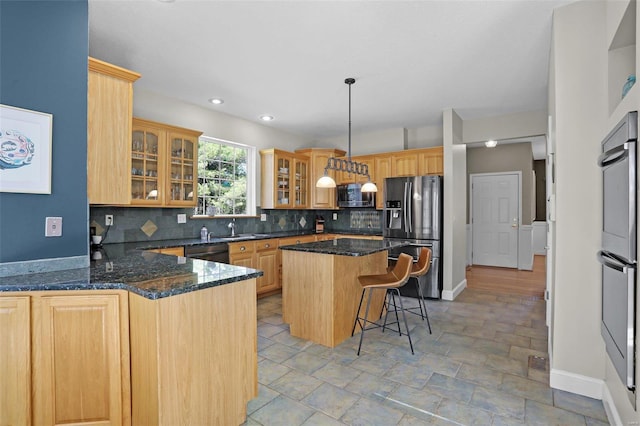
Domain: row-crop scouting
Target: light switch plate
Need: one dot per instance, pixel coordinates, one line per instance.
(263, 217)
(53, 227)
(182, 218)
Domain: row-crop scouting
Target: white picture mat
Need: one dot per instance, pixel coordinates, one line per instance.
(34, 178)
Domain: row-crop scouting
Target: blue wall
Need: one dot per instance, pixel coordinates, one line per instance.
(43, 67)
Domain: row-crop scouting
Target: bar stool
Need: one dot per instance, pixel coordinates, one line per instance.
(419, 269)
(390, 281)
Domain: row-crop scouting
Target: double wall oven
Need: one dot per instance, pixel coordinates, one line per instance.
(618, 254)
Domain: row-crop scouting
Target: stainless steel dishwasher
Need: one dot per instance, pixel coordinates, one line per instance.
(214, 252)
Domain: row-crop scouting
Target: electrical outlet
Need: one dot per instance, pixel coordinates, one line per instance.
(53, 227)
(182, 218)
(335, 216)
(263, 217)
(108, 220)
(108, 266)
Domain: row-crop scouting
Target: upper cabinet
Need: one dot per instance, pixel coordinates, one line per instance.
(431, 161)
(285, 180)
(346, 177)
(321, 198)
(109, 112)
(404, 163)
(164, 162)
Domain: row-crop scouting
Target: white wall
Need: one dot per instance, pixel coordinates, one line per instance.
(367, 143)
(580, 105)
(424, 137)
(509, 126)
(455, 206)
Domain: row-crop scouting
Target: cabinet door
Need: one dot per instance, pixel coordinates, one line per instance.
(182, 171)
(242, 254)
(284, 169)
(81, 368)
(404, 164)
(15, 360)
(147, 144)
(383, 171)
(267, 261)
(430, 162)
(301, 183)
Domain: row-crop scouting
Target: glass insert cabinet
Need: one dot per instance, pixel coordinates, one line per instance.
(163, 161)
(285, 182)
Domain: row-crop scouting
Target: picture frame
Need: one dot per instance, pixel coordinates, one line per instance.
(25, 150)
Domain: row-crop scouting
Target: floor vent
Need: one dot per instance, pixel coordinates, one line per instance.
(537, 362)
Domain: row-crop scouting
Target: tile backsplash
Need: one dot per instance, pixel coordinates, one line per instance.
(131, 224)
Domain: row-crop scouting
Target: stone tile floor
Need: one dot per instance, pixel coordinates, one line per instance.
(478, 367)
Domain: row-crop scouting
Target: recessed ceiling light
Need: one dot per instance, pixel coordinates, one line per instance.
(266, 117)
(216, 101)
(490, 144)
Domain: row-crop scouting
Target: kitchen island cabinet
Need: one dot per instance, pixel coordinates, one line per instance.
(77, 369)
(320, 289)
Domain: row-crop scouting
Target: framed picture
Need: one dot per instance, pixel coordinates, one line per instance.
(25, 150)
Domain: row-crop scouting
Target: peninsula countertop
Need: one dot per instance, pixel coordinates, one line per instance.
(127, 267)
(346, 246)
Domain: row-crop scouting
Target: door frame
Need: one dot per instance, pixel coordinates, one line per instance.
(515, 172)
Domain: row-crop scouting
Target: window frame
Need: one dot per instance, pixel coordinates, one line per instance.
(251, 174)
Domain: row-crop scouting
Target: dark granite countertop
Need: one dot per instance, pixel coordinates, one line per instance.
(122, 266)
(346, 246)
(152, 275)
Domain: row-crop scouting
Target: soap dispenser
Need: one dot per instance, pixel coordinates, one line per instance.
(204, 233)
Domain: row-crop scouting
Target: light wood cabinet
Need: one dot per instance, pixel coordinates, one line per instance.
(263, 255)
(164, 162)
(65, 358)
(285, 180)
(194, 356)
(321, 198)
(15, 360)
(109, 113)
(383, 171)
(431, 161)
(404, 163)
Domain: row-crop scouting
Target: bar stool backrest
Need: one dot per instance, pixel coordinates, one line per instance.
(402, 270)
(421, 267)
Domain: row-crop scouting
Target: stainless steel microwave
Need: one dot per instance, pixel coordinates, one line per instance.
(351, 195)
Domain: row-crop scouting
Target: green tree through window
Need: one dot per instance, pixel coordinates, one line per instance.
(223, 173)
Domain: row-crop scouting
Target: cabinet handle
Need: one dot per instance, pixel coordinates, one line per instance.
(267, 245)
(242, 248)
(297, 241)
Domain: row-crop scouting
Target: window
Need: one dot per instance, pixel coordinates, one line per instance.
(225, 178)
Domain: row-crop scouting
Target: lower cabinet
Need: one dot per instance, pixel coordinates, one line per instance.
(263, 255)
(77, 368)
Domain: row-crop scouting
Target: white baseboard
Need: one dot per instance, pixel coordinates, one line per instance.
(610, 407)
(452, 294)
(576, 383)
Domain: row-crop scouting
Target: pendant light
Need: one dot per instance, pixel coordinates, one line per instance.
(340, 164)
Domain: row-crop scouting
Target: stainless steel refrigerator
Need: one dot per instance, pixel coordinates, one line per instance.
(413, 212)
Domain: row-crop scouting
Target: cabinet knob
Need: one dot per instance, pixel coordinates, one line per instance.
(267, 245)
(242, 248)
(297, 241)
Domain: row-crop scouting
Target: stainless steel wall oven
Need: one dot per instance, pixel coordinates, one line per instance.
(618, 254)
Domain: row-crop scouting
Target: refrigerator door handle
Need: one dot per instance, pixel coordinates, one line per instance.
(404, 210)
(612, 261)
(409, 203)
(615, 155)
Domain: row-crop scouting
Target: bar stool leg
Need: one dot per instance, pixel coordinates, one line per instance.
(366, 315)
(422, 302)
(353, 330)
(404, 316)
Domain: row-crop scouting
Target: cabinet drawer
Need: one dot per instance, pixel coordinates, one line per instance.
(242, 247)
(266, 244)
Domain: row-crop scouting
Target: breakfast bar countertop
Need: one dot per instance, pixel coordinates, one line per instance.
(346, 246)
(126, 267)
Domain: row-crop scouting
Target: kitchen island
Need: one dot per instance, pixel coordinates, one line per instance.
(136, 338)
(320, 289)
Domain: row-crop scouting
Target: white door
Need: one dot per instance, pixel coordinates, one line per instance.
(495, 218)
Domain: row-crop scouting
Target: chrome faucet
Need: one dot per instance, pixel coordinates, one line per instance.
(209, 236)
(232, 225)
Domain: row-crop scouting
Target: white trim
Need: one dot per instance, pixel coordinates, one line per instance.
(470, 203)
(539, 238)
(469, 244)
(576, 383)
(610, 407)
(451, 295)
(525, 248)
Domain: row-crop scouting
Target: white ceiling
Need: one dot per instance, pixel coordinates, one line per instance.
(289, 59)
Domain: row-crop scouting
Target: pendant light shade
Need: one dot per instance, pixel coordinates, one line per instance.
(349, 166)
